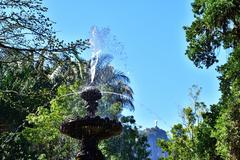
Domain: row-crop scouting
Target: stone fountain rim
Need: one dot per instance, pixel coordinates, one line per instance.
(106, 129)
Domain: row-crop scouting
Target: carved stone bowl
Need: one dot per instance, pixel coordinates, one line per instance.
(100, 128)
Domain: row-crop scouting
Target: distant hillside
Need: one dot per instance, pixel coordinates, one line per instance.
(153, 134)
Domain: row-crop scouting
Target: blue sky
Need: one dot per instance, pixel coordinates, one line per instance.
(154, 43)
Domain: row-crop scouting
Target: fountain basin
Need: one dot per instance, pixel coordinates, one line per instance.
(91, 93)
(100, 128)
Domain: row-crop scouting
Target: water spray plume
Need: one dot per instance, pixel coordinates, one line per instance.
(102, 42)
(96, 50)
(93, 64)
(114, 93)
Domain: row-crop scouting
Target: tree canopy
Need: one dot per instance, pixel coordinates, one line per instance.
(215, 28)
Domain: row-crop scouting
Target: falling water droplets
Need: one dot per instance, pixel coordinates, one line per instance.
(103, 43)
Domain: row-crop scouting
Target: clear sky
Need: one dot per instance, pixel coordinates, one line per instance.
(154, 42)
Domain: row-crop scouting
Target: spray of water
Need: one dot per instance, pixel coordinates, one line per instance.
(114, 93)
(101, 43)
(93, 64)
(96, 45)
(103, 92)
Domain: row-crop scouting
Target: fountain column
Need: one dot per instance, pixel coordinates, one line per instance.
(89, 149)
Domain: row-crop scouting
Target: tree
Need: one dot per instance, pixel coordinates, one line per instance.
(206, 142)
(25, 29)
(29, 52)
(130, 145)
(44, 132)
(216, 26)
(192, 138)
(114, 84)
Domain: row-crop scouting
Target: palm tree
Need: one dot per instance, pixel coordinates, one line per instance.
(114, 85)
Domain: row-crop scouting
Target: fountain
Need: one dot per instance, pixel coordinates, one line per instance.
(91, 129)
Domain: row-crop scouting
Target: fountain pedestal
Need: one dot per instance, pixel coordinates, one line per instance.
(89, 149)
(91, 129)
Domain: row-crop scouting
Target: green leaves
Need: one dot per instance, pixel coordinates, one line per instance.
(192, 139)
(46, 125)
(130, 145)
(217, 26)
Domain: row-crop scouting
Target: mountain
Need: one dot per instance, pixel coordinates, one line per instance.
(153, 134)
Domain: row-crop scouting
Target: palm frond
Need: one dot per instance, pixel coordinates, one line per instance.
(104, 60)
